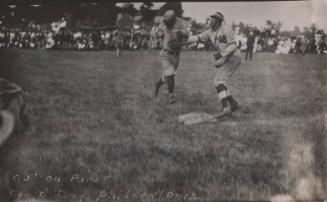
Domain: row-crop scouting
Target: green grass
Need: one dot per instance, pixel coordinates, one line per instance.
(92, 115)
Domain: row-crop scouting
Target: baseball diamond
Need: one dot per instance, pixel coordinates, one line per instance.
(99, 117)
(144, 102)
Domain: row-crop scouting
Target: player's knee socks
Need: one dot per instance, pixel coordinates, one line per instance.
(222, 94)
(171, 83)
(221, 87)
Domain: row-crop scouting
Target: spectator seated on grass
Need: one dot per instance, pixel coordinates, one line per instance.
(12, 108)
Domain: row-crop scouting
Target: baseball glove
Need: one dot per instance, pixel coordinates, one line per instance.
(217, 56)
(177, 42)
(181, 36)
(220, 62)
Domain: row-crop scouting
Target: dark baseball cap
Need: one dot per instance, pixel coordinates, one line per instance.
(169, 15)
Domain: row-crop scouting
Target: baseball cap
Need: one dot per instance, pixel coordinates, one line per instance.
(169, 15)
(217, 15)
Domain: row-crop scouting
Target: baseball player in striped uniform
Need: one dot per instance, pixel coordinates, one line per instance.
(170, 53)
(227, 58)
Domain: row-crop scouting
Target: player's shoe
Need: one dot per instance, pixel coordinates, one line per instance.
(226, 111)
(171, 99)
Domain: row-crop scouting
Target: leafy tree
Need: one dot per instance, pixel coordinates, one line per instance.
(309, 32)
(278, 26)
(197, 27)
(233, 25)
(269, 23)
(147, 11)
(313, 28)
(242, 27)
(148, 4)
(175, 6)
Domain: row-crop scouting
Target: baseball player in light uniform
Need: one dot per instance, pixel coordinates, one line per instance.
(227, 56)
(170, 53)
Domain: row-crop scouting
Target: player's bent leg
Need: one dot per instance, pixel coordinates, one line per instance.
(157, 86)
(222, 93)
(165, 64)
(171, 86)
(168, 77)
(223, 74)
(228, 103)
(169, 63)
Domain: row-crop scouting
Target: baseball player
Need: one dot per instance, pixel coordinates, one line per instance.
(170, 53)
(12, 100)
(118, 40)
(227, 58)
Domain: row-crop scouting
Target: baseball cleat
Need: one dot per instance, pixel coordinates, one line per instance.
(225, 112)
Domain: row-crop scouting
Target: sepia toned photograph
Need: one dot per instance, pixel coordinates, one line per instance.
(220, 101)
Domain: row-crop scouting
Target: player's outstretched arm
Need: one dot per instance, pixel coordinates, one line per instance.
(203, 37)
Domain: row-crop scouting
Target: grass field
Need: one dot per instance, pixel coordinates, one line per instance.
(97, 134)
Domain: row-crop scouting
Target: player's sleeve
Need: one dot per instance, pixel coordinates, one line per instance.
(231, 43)
(203, 37)
(181, 30)
(230, 36)
(182, 35)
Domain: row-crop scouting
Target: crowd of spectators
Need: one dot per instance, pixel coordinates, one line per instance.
(269, 39)
(58, 35)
